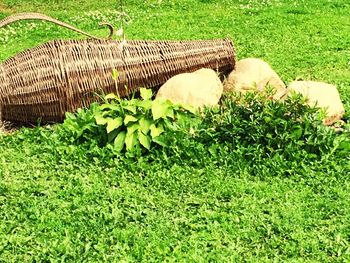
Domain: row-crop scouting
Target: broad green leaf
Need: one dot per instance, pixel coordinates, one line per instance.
(146, 94)
(100, 120)
(111, 96)
(144, 140)
(145, 104)
(131, 108)
(129, 118)
(109, 106)
(119, 141)
(156, 131)
(112, 135)
(133, 127)
(130, 141)
(145, 124)
(170, 113)
(159, 109)
(190, 108)
(113, 124)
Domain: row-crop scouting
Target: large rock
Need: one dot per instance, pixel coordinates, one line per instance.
(254, 74)
(200, 88)
(323, 95)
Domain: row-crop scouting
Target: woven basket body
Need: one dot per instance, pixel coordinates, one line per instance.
(60, 76)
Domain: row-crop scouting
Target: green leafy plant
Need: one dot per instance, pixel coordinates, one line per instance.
(80, 127)
(271, 127)
(127, 124)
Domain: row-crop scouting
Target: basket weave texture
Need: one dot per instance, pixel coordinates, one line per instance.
(59, 76)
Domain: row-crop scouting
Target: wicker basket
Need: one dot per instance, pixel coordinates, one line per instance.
(46, 81)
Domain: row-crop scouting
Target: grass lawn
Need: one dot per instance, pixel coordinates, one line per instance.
(207, 207)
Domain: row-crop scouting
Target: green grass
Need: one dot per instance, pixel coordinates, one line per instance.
(73, 208)
(224, 207)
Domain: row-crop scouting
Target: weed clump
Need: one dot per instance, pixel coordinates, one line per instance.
(288, 128)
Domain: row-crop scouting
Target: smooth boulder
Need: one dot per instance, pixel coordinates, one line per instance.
(200, 88)
(251, 74)
(322, 95)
